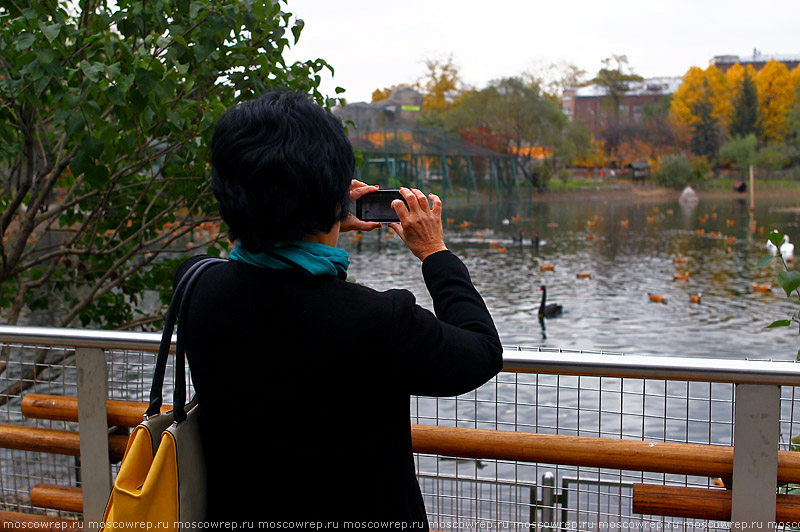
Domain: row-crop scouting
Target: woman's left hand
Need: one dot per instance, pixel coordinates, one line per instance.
(351, 223)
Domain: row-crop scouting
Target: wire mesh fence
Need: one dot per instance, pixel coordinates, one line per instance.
(458, 493)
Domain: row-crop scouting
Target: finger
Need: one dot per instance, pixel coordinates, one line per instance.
(400, 208)
(437, 204)
(360, 191)
(422, 201)
(412, 203)
(397, 227)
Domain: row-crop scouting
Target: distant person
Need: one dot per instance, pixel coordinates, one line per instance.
(317, 371)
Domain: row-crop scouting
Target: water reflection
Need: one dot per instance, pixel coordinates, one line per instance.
(601, 260)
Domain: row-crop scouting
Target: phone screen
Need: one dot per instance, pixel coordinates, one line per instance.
(377, 206)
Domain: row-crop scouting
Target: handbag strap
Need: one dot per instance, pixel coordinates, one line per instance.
(175, 312)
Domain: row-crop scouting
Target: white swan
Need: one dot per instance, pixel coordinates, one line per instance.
(787, 249)
(772, 248)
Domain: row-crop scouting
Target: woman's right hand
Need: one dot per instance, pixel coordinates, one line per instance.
(420, 225)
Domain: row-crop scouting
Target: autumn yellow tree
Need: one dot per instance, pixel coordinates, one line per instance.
(776, 96)
(440, 84)
(702, 104)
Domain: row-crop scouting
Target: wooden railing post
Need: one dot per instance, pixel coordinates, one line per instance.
(756, 432)
(93, 426)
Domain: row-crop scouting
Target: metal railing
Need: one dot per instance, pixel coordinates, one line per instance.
(545, 391)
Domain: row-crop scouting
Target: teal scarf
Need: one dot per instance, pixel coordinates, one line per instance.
(315, 258)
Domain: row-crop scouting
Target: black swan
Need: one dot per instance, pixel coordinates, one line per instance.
(548, 311)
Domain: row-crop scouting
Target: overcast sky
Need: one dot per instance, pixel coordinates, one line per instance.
(378, 43)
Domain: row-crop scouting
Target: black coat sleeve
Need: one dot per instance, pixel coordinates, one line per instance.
(458, 349)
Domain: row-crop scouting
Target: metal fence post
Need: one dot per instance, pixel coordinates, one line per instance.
(548, 503)
(93, 425)
(756, 432)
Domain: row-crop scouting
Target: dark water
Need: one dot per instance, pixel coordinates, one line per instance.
(611, 310)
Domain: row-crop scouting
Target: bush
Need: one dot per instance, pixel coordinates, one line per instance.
(679, 170)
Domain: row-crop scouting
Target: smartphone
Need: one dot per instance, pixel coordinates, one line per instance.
(377, 206)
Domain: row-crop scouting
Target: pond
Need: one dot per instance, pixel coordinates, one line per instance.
(607, 256)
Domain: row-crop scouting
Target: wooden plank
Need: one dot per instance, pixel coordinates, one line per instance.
(631, 455)
(54, 441)
(702, 503)
(67, 498)
(17, 521)
(62, 408)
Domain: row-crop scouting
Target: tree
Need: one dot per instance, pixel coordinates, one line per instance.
(744, 101)
(701, 104)
(106, 112)
(776, 95)
(440, 85)
(615, 77)
(513, 117)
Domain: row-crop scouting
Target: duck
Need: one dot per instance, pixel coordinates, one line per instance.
(587, 275)
(546, 267)
(681, 277)
(548, 310)
(762, 288)
(695, 298)
(657, 299)
(679, 260)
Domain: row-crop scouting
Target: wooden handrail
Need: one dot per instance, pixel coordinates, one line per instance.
(702, 503)
(632, 455)
(659, 457)
(67, 498)
(63, 408)
(54, 441)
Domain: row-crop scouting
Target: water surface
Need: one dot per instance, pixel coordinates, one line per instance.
(629, 247)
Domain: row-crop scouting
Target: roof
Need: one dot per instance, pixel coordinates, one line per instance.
(757, 57)
(652, 86)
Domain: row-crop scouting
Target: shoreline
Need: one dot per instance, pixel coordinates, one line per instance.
(635, 192)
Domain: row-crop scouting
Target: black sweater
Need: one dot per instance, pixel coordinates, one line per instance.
(305, 382)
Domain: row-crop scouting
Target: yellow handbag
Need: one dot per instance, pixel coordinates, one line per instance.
(161, 482)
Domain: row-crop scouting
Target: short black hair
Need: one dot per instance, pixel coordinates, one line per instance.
(281, 169)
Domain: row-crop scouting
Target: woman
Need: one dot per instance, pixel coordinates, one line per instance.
(281, 345)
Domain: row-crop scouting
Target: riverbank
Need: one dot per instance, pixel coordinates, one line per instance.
(608, 191)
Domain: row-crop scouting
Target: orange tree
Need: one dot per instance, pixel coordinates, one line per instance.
(106, 111)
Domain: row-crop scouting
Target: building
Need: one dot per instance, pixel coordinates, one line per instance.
(590, 104)
(757, 60)
(399, 111)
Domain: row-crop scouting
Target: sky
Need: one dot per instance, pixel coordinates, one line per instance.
(377, 43)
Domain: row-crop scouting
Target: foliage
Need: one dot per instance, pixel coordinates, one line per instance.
(440, 85)
(788, 279)
(776, 96)
(744, 118)
(514, 117)
(702, 105)
(106, 110)
(679, 170)
(740, 152)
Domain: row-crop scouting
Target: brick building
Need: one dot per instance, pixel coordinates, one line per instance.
(591, 104)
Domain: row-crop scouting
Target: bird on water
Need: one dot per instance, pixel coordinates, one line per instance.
(550, 310)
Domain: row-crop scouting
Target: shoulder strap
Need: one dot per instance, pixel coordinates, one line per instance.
(176, 311)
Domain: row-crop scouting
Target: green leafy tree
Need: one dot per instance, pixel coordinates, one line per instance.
(518, 119)
(744, 111)
(706, 133)
(106, 112)
(740, 152)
